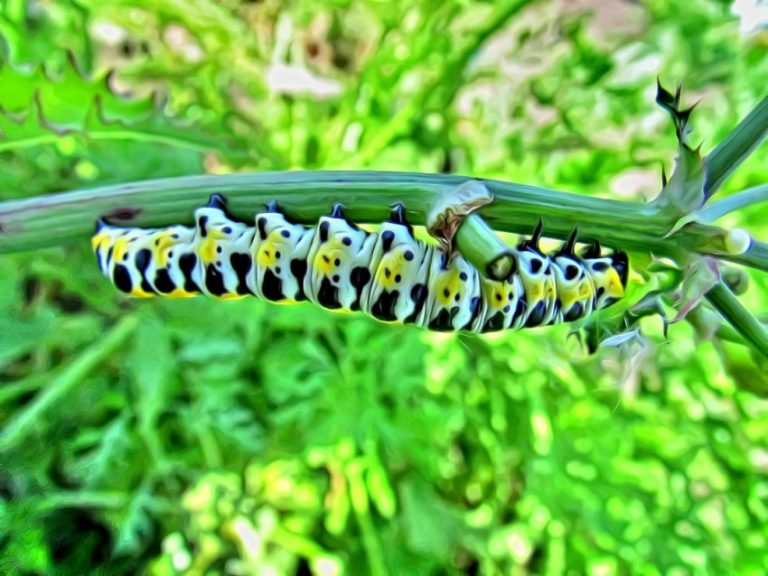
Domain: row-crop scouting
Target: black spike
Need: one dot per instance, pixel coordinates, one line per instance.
(593, 251)
(398, 215)
(533, 242)
(101, 224)
(337, 211)
(272, 206)
(664, 98)
(663, 177)
(685, 115)
(671, 103)
(217, 201)
(567, 248)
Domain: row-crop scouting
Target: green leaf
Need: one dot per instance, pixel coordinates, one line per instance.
(107, 454)
(150, 366)
(21, 335)
(135, 526)
(44, 107)
(431, 526)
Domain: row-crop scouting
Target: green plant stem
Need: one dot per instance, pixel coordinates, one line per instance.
(358, 496)
(739, 144)
(755, 257)
(299, 545)
(46, 221)
(739, 317)
(733, 202)
(70, 378)
(480, 245)
(82, 499)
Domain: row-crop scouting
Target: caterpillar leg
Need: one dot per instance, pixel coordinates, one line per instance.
(338, 263)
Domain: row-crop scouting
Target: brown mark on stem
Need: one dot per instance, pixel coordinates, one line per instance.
(122, 214)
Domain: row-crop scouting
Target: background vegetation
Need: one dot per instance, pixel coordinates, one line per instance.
(196, 437)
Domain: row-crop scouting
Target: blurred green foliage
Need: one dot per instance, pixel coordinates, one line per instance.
(200, 437)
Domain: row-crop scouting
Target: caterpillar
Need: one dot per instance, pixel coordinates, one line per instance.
(388, 274)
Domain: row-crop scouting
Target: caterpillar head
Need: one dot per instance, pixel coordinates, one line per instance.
(103, 244)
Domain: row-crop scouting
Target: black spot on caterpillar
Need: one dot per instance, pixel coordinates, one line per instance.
(272, 287)
(188, 264)
(122, 278)
(384, 308)
(214, 281)
(388, 274)
(163, 282)
(241, 264)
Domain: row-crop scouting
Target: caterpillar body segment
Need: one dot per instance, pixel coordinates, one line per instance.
(537, 275)
(280, 254)
(388, 274)
(400, 271)
(223, 248)
(455, 298)
(339, 263)
(504, 304)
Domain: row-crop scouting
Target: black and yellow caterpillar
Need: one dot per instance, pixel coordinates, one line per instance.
(388, 274)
